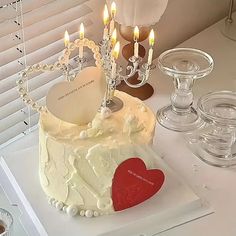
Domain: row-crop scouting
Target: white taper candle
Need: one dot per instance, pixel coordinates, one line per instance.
(112, 26)
(105, 33)
(81, 36)
(113, 70)
(136, 46)
(150, 54)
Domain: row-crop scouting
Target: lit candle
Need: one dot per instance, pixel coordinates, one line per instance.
(66, 42)
(136, 37)
(105, 21)
(66, 39)
(114, 37)
(151, 43)
(115, 54)
(81, 37)
(113, 14)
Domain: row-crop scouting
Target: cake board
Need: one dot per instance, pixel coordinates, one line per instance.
(174, 205)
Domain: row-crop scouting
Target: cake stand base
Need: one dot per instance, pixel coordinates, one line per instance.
(176, 121)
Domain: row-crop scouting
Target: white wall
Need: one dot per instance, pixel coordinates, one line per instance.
(185, 18)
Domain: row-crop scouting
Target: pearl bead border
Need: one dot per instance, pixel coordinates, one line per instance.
(21, 85)
(72, 210)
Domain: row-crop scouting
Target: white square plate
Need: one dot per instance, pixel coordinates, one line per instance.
(174, 205)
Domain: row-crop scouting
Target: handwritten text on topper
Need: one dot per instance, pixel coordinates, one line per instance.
(78, 101)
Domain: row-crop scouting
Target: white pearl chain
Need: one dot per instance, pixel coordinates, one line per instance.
(82, 43)
(58, 65)
(22, 89)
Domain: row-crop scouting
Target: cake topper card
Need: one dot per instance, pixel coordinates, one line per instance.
(133, 183)
(78, 101)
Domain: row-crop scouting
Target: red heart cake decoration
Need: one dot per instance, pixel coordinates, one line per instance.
(133, 183)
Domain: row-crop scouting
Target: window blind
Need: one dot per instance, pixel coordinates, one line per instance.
(32, 32)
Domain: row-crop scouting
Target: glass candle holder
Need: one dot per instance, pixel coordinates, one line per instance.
(215, 142)
(229, 25)
(6, 223)
(184, 65)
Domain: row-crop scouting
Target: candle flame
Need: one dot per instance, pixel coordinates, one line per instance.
(114, 37)
(136, 33)
(113, 9)
(81, 31)
(151, 38)
(105, 15)
(116, 50)
(66, 38)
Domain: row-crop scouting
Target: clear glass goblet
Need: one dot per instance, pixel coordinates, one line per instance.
(229, 25)
(215, 141)
(6, 223)
(184, 65)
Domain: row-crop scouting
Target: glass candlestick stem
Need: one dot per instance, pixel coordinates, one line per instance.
(184, 65)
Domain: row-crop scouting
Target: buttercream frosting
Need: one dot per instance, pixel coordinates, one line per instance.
(77, 163)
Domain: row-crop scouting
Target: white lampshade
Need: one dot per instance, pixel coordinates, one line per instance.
(139, 12)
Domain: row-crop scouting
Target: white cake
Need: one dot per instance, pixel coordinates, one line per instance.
(77, 163)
